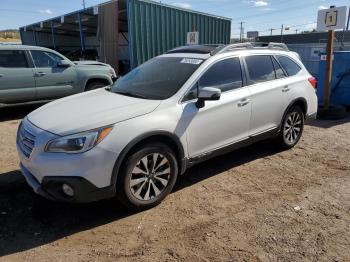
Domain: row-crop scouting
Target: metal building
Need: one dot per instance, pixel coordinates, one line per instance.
(126, 33)
(310, 45)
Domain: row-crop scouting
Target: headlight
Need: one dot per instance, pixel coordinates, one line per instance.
(112, 72)
(78, 143)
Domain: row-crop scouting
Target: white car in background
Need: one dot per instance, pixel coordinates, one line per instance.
(133, 139)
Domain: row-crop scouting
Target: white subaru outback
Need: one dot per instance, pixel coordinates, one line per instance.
(133, 139)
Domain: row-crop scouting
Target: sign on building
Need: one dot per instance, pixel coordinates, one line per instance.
(193, 38)
(332, 18)
(252, 34)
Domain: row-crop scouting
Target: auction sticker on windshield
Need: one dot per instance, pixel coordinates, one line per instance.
(191, 61)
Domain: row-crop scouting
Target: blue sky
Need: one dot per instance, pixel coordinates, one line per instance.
(259, 15)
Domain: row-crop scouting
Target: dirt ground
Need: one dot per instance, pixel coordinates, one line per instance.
(239, 207)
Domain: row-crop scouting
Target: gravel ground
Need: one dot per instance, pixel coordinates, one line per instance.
(255, 204)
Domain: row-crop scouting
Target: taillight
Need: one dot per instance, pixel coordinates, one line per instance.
(313, 82)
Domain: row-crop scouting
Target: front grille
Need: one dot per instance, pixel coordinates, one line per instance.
(25, 141)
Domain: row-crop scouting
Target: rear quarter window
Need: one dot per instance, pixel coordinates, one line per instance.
(13, 59)
(291, 67)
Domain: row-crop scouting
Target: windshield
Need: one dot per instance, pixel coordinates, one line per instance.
(158, 79)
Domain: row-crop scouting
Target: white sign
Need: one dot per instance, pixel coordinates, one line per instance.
(192, 38)
(96, 10)
(332, 19)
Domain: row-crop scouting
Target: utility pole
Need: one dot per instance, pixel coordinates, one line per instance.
(84, 4)
(271, 30)
(296, 31)
(282, 33)
(241, 35)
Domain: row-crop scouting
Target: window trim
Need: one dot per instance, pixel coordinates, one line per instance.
(29, 64)
(273, 57)
(195, 82)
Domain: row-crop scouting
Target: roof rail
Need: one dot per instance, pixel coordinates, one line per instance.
(231, 47)
(257, 45)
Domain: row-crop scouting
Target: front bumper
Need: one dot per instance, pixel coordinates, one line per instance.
(51, 188)
(89, 173)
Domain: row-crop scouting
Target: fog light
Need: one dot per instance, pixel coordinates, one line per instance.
(68, 190)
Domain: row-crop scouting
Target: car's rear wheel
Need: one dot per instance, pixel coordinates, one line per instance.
(95, 85)
(148, 176)
(292, 128)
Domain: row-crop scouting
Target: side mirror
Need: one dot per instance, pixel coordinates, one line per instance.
(63, 63)
(208, 94)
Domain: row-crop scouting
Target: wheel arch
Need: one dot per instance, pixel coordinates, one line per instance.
(165, 137)
(300, 101)
(99, 79)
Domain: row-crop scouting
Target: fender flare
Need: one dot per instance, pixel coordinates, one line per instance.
(122, 156)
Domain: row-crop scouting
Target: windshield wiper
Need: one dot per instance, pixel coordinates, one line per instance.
(126, 93)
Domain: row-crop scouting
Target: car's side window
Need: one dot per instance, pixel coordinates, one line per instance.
(278, 69)
(45, 59)
(289, 65)
(225, 75)
(13, 59)
(260, 68)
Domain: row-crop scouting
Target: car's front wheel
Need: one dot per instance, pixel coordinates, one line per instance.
(292, 128)
(147, 177)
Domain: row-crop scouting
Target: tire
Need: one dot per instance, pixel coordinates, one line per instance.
(94, 85)
(292, 128)
(138, 186)
(334, 112)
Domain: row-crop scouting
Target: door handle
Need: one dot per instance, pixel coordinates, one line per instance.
(1, 75)
(285, 89)
(39, 74)
(243, 102)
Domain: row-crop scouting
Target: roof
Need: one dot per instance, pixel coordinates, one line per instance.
(22, 47)
(316, 37)
(219, 49)
(89, 11)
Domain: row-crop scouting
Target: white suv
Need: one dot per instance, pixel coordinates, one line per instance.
(133, 139)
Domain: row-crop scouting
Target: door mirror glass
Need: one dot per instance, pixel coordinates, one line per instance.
(63, 63)
(207, 94)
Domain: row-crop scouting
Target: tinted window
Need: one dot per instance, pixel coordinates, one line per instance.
(159, 78)
(278, 69)
(13, 59)
(45, 59)
(226, 75)
(260, 69)
(289, 65)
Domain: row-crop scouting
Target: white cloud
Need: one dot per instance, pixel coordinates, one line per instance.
(260, 3)
(183, 5)
(46, 12)
(322, 7)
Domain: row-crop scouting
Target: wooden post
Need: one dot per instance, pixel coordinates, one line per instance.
(330, 45)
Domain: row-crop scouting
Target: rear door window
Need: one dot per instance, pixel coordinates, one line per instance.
(289, 65)
(13, 59)
(260, 68)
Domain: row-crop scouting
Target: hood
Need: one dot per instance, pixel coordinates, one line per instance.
(87, 63)
(88, 111)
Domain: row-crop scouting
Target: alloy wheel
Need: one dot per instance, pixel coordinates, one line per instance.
(150, 177)
(293, 128)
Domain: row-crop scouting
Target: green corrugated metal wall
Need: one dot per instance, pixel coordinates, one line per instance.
(156, 28)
